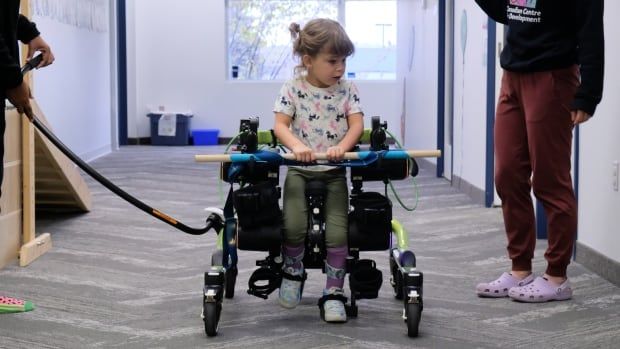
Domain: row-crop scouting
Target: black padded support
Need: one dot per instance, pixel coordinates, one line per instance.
(375, 240)
(263, 238)
(365, 279)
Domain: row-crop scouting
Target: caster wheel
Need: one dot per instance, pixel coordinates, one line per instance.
(211, 312)
(407, 259)
(414, 313)
(231, 278)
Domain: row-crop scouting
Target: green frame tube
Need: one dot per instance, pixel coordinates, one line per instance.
(219, 244)
(402, 238)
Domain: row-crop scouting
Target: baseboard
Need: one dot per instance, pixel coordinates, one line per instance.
(147, 140)
(598, 263)
(427, 165)
(476, 194)
(139, 141)
(97, 153)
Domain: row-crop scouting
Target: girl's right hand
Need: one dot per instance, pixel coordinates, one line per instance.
(303, 153)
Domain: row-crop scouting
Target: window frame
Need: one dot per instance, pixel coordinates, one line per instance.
(341, 18)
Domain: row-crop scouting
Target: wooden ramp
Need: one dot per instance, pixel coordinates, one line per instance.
(58, 183)
(36, 174)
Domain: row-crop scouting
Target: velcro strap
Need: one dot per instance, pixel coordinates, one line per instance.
(334, 273)
(332, 297)
(288, 260)
(301, 277)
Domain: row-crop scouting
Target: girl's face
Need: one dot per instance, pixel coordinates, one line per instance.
(325, 69)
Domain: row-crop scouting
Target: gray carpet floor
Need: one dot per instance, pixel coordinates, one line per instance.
(117, 278)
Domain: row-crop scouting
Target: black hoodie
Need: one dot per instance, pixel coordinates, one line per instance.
(550, 34)
(13, 27)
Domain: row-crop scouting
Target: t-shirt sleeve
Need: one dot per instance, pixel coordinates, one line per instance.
(353, 105)
(285, 102)
(26, 30)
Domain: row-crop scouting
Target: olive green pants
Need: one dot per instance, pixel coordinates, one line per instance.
(296, 210)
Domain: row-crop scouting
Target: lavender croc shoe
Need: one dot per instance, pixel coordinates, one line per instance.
(500, 287)
(541, 290)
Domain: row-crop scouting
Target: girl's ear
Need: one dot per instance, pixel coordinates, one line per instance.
(307, 61)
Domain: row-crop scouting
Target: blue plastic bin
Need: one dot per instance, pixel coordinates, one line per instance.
(208, 136)
(181, 136)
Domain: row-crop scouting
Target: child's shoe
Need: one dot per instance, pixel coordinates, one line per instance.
(332, 305)
(291, 287)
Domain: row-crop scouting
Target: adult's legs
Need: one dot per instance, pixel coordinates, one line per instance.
(546, 98)
(512, 173)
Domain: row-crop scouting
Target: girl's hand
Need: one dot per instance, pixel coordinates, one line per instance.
(303, 153)
(335, 153)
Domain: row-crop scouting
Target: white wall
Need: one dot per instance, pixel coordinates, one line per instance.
(469, 147)
(179, 61)
(417, 67)
(74, 93)
(599, 205)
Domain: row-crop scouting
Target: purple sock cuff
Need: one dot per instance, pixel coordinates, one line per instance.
(337, 256)
(293, 251)
(293, 255)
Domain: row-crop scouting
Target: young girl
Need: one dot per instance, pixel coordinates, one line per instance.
(316, 112)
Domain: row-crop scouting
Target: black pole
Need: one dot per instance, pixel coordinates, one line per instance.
(213, 221)
(121, 34)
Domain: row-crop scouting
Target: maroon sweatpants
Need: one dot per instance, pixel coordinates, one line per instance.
(533, 136)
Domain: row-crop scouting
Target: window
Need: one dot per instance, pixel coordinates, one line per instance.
(260, 47)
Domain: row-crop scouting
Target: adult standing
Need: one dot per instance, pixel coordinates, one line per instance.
(553, 63)
(13, 28)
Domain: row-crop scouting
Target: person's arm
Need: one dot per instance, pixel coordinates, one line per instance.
(28, 34)
(11, 80)
(26, 30)
(591, 58)
(283, 132)
(496, 9)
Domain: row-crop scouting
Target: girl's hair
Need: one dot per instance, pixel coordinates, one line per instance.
(320, 35)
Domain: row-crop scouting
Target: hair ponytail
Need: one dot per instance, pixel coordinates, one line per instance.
(318, 35)
(295, 30)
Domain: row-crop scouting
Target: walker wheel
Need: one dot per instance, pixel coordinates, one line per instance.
(211, 313)
(414, 313)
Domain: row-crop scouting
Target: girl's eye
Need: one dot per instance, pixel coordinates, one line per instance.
(332, 61)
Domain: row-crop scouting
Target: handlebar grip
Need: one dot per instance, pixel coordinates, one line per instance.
(32, 64)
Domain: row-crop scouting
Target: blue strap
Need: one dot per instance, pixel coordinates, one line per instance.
(365, 158)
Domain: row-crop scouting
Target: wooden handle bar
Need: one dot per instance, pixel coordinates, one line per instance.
(321, 156)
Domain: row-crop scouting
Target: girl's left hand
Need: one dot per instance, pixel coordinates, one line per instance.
(335, 153)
